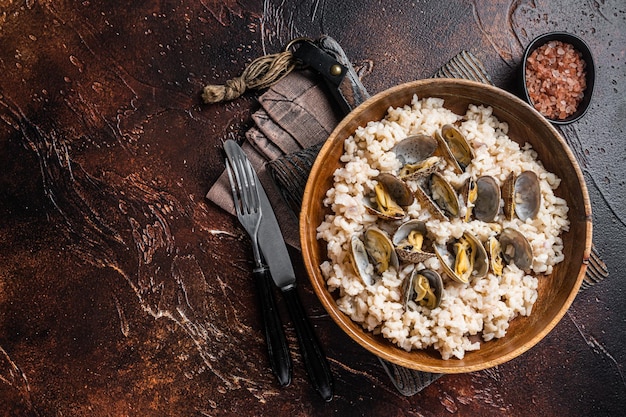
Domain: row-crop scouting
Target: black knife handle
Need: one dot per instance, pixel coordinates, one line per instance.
(277, 348)
(315, 361)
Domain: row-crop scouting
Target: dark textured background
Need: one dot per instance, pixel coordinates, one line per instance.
(124, 292)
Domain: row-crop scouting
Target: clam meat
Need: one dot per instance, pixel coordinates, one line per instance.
(391, 196)
(495, 255)
(467, 259)
(408, 240)
(420, 169)
(416, 154)
(373, 255)
(422, 287)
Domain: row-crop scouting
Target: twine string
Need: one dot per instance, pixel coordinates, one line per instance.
(263, 72)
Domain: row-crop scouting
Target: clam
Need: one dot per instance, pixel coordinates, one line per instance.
(458, 145)
(396, 188)
(415, 148)
(444, 195)
(516, 249)
(446, 153)
(454, 147)
(373, 255)
(438, 195)
(416, 154)
(527, 195)
(495, 255)
(420, 169)
(467, 259)
(522, 195)
(508, 194)
(360, 261)
(487, 201)
(391, 195)
(469, 194)
(408, 240)
(380, 250)
(422, 287)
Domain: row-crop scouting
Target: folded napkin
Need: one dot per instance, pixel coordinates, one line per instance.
(295, 114)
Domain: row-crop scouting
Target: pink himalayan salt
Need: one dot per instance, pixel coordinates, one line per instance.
(555, 79)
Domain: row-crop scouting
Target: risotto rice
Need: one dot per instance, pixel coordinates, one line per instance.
(469, 312)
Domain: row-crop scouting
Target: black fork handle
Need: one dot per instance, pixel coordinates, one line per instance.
(277, 349)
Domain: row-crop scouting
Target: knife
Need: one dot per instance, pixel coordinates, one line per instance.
(278, 351)
(276, 255)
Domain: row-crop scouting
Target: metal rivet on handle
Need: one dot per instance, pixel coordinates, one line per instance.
(335, 70)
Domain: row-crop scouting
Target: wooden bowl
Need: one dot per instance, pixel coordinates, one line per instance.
(556, 291)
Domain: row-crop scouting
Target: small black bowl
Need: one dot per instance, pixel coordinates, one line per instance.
(580, 46)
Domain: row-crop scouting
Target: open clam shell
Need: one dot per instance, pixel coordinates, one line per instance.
(416, 154)
(439, 197)
(373, 255)
(420, 169)
(495, 255)
(516, 249)
(467, 259)
(508, 195)
(488, 197)
(414, 149)
(446, 153)
(458, 145)
(444, 195)
(398, 190)
(468, 196)
(522, 195)
(360, 261)
(391, 196)
(425, 201)
(380, 250)
(422, 287)
(527, 195)
(408, 240)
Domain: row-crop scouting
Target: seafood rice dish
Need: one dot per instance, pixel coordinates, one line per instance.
(440, 227)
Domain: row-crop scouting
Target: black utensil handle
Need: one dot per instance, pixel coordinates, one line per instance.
(277, 348)
(315, 361)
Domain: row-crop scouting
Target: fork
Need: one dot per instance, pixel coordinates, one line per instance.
(248, 208)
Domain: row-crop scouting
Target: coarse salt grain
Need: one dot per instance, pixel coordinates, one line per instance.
(556, 79)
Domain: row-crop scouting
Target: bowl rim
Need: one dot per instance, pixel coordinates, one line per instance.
(581, 46)
(325, 296)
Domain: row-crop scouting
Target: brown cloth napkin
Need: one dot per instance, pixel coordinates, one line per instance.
(295, 114)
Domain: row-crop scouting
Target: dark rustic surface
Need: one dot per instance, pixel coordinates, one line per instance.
(123, 292)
